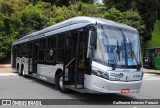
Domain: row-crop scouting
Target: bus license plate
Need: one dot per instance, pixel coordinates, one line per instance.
(127, 90)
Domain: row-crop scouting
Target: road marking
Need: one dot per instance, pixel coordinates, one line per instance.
(8, 74)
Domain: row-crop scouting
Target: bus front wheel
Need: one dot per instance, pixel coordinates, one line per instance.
(59, 83)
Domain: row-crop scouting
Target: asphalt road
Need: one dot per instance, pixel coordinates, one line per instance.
(13, 86)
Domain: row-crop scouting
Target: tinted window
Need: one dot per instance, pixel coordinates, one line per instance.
(60, 53)
(51, 52)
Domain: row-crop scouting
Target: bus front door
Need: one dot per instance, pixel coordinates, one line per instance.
(73, 74)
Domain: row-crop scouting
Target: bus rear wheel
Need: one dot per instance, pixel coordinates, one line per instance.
(59, 83)
(22, 71)
(19, 71)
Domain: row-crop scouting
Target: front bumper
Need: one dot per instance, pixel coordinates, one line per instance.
(100, 85)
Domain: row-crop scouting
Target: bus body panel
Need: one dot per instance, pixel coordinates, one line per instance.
(43, 69)
(95, 84)
(48, 70)
(76, 20)
(71, 27)
(132, 78)
(126, 74)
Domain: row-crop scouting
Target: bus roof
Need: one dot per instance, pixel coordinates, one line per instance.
(72, 23)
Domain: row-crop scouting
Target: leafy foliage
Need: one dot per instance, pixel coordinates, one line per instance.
(31, 19)
(122, 5)
(147, 9)
(130, 17)
(155, 41)
(8, 34)
(21, 17)
(158, 8)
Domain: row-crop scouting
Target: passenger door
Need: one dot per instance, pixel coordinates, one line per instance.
(76, 62)
(33, 56)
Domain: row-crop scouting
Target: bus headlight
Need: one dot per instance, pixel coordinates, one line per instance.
(98, 73)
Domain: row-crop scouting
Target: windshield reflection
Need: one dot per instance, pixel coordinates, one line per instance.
(117, 46)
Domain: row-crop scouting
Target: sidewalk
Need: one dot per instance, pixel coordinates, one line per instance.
(5, 65)
(6, 68)
(151, 71)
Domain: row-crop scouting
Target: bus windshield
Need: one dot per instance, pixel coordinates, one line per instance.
(117, 46)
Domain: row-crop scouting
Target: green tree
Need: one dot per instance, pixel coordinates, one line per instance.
(21, 17)
(5, 8)
(31, 20)
(122, 5)
(130, 17)
(148, 11)
(146, 8)
(158, 9)
(8, 33)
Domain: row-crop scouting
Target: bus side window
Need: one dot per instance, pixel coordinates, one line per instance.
(60, 48)
(42, 49)
(17, 50)
(24, 49)
(51, 52)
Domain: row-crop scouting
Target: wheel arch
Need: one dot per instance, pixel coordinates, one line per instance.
(17, 66)
(59, 70)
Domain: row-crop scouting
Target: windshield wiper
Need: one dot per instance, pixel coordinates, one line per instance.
(131, 53)
(118, 51)
(115, 58)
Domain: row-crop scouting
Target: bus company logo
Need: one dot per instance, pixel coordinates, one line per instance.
(6, 102)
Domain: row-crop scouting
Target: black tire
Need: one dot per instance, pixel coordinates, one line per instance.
(59, 83)
(19, 71)
(22, 71)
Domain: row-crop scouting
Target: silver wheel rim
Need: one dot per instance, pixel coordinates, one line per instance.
(18, 71)
(61, 82)
(23, 71)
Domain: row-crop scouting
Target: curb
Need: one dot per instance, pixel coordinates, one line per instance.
(151, 71)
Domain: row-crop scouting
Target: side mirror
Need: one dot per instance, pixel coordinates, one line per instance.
(93, 38)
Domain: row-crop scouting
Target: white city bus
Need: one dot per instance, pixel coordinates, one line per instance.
(84, 54)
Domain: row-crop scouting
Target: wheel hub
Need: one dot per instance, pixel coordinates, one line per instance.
(61, 82)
